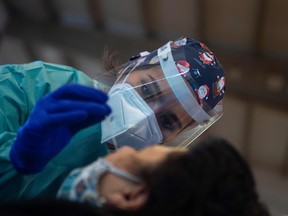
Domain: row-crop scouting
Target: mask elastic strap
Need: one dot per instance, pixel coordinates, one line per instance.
(179, 87)
(138, 62)
(121, 74)
(118, 172)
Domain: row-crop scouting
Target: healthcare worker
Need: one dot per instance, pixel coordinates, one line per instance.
(51, 114)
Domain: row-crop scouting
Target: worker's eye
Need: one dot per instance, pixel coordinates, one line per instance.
(146, 92)
(166, 122)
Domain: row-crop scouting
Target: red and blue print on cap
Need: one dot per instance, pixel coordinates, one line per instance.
(200, 67)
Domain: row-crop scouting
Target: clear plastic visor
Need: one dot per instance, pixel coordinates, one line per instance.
(162, 87)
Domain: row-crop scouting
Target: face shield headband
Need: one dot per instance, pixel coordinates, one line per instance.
(179, 87)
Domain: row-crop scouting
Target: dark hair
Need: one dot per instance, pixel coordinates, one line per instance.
(211, 179)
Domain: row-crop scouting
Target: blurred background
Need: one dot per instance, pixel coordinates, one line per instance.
(249, 37)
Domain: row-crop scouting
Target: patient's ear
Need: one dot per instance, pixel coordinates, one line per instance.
(129, 199)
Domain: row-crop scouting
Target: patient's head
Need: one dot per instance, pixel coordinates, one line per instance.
(211, 178)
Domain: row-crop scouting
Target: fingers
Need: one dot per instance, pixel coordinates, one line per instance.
(75, 120)
(71, 113)
(73, 104)
(67, 118)
(79, 92)
(89, 107)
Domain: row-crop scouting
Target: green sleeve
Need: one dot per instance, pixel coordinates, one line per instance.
(21, 86)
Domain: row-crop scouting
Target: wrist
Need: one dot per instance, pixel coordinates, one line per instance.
(24, 162)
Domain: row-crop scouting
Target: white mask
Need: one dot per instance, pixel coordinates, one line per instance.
(132, 121)
(82, 183)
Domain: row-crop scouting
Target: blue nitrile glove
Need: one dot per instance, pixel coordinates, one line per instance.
(54, 120)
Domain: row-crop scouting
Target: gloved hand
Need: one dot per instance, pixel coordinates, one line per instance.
(54, 120)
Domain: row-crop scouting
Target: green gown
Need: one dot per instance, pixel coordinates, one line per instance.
(20, 87)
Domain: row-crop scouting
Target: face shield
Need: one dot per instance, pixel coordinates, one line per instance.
(169, 96)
